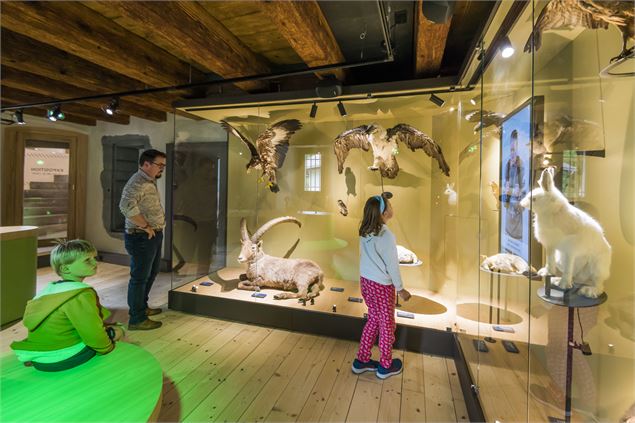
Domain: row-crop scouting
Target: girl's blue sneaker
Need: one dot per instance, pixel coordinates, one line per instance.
(395, 369)
(359, 367)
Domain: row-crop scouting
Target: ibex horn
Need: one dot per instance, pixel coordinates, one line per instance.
(244, 232)
(270, 224)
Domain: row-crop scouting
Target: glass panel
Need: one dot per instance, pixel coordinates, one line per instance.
(588, 139)
(199, 195)
(46, 193)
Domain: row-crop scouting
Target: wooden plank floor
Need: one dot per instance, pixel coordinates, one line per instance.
(216, 370)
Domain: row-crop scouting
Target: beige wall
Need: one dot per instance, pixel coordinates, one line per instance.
(328, 237)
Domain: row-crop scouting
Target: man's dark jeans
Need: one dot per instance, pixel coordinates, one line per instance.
(145, 257)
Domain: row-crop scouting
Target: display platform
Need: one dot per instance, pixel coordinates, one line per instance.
(425, 310)
(124, 385)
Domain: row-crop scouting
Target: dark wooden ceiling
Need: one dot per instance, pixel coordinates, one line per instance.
(62, 50)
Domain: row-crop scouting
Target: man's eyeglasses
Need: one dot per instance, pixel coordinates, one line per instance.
(159, 165)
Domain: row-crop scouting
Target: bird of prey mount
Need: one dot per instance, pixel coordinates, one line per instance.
(384, 145)
(586, 14)
(270, 150)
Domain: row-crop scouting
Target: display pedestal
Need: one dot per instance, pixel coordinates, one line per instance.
(570, 299)
(498, 293)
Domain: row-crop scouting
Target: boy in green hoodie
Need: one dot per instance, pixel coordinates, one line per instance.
(65, 320)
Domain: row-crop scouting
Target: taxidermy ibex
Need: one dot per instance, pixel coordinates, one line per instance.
(264, 271)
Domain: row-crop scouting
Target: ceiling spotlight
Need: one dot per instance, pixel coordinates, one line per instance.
(55, 113)
(474, 100)
(18, 117)
(313, 110)
(452, 108)
(341, 108)
(111, 108)
(437, 100)
(506, 47)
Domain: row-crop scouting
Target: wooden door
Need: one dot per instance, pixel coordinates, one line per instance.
(44, 181)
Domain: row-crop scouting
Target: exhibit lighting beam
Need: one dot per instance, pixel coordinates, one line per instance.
(340, 107)
(437, 100)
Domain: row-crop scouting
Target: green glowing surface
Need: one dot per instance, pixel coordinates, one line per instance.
(122, 386)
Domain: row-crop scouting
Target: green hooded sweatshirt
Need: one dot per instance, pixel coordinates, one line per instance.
(63, 319)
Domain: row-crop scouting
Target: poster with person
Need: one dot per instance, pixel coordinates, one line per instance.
(515, 182)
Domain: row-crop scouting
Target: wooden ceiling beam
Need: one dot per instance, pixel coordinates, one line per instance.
(40, 112)
(186, 30)
(305, 27)
(25, 54)
(430, 44)
(27, 81)
(73, 27)
(20, 97)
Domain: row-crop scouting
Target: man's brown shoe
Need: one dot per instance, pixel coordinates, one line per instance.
(147, 324)
(153, 311)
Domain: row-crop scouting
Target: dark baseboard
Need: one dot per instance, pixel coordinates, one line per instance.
(310, 321)
(470, 393)
(43, 261)
(124, 260)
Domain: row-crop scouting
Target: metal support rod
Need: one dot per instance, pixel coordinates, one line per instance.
(491, 297)
(498, 301)
(570, 345)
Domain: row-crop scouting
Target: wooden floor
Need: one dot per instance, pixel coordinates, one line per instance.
(217, 370)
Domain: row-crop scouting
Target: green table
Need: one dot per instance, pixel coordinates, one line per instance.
(122, 386)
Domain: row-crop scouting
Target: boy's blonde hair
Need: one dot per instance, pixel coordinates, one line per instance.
(66, 252)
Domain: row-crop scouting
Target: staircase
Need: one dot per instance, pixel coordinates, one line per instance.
(46, 206)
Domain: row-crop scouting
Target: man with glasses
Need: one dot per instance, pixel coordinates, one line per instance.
(145, 219)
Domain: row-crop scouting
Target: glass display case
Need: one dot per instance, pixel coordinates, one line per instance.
(543, 108)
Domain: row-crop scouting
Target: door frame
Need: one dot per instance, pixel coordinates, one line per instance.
(13, 144)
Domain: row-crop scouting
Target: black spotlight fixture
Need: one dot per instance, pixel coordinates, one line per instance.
(437, 100)
(18, 117)
(111, 108)
(342, 110)
(55, 114)
(506, 47)
(313, 110)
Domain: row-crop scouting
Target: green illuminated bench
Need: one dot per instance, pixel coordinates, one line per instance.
(122, 386)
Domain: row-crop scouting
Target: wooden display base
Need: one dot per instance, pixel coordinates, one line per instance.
(222, 299)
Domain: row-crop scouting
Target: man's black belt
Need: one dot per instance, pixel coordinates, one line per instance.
(139, 231)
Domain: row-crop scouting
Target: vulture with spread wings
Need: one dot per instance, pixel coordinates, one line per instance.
(384, 146)
(586, 14)
(270, 150)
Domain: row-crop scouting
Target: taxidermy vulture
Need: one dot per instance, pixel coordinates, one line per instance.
(587, 14)
(270, 150)
(489, 119)
(384, 145)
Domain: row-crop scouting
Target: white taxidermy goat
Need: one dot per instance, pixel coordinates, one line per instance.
(406, 256)
(449, 191)
(505, 263)
(265, 271)
(574, 242)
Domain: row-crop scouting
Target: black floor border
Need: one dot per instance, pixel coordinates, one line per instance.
(411, 338)
(470, 392)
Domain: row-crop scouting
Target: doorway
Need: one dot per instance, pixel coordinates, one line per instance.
(44, 182)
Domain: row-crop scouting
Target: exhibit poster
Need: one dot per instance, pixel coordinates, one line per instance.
(515, 182)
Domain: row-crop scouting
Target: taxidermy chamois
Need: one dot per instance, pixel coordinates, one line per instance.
(264, 271)
(574, 242)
